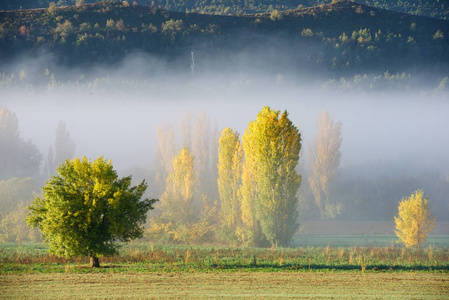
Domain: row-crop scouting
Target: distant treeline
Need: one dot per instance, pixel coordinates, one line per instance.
(344, 38)
(429, 8)
(215, 186)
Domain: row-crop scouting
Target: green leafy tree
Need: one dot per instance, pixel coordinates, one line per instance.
(86, 209)
(414, 220)
(272, 145)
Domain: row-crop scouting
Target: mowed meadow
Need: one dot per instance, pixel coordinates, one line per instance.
(144, 270)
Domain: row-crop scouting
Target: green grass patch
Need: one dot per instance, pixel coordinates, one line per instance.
(143, 257)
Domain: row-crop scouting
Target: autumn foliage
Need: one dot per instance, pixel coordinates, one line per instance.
(414, 220)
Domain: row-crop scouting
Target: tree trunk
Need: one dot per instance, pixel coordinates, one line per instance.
(94, 262)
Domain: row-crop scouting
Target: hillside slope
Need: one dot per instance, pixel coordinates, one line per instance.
(429, 8)
(342, 37)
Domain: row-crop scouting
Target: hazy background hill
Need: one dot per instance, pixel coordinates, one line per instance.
(342, 38)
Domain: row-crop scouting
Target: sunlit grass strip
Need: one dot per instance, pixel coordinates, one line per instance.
(148, 258)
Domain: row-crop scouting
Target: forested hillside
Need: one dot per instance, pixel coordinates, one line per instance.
(429, 8)
(342, 38)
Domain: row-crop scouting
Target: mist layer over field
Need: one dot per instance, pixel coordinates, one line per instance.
(395, 132)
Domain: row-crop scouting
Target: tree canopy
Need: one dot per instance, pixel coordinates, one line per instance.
(86, 209)
(230, 160)
(414, 220)
(18, 158)
(324, 156)
(272, 144)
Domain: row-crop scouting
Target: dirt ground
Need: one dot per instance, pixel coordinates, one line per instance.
(305, 285)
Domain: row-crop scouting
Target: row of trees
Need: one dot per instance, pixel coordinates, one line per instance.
(226, 188)
(256, 178)
(86, 209)
(20, 158)
(21, 174)
(209, 175)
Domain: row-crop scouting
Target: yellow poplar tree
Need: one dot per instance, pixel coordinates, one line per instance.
(414, 220)
(182, 221)
(177, 200)
(230, 160)
(252, 233)
(270, 182)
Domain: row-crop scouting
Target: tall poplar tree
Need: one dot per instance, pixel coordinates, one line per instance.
(166, 151)
(270, 182)
(230, 160)
(324, 157)
(64, 148)
(177, 200)
(185, 129)
(64, 144)
(201, 151)
(248, 191)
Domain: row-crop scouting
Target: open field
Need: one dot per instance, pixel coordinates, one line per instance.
(306, 285)
(143, 270)
(145, 257)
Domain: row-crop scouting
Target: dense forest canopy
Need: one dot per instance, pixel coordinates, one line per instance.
(340, 38)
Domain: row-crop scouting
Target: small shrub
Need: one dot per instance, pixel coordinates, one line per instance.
(438, 35)
(52, 7)
(276, 15)
(79, 3)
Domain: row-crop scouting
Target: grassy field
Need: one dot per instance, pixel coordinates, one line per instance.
(306, 285)
(145, 257)
(341, 269)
